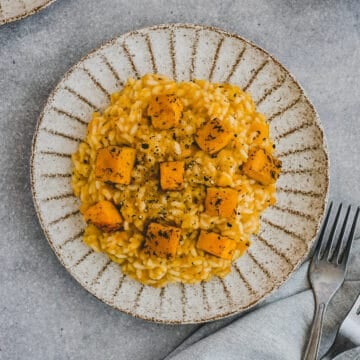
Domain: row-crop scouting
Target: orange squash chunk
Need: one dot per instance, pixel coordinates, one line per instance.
(259, 130)
(262, 167)
(221, 201)
(162, 240)
(165, 111)
(215, 244)
(213, 136)
(114, 164)
(104, 215)
(172, 175)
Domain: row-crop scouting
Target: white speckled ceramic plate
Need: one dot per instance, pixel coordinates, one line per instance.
(184, 52)
(12, 10)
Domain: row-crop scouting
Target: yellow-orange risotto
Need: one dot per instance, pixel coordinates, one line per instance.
(173, 177)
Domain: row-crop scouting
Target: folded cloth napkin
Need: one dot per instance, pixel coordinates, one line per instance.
(279, 328)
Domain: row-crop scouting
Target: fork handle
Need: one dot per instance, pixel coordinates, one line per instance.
(312, 348)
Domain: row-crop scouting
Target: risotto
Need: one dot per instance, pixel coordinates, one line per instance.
(173, 177)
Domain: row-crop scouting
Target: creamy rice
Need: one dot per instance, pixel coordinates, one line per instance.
(125, 122)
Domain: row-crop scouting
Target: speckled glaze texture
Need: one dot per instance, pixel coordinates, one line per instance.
(184, 52)
(12, 10)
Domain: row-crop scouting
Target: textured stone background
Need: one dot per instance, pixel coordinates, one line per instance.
(44, 313)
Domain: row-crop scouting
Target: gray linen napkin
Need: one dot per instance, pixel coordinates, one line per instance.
(277, 329)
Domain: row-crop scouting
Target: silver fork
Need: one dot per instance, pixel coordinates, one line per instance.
(327, 272)
(348, 335)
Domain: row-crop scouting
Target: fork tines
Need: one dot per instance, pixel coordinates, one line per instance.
(336, 246)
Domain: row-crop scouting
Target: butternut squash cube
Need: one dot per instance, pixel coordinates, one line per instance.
(215, 244)
(165, 111)
(259, 130)
(162, 240)
(104, 215)
(114, 164)
(262, 167)
(213, 136)
(172, 175)
(221, 201)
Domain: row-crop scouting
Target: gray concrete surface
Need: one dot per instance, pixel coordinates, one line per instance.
(44, 313)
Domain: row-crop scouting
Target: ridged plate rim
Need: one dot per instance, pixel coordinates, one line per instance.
(27, 13)
(174, 26)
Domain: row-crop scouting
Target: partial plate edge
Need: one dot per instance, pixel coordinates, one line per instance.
(26, 14)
